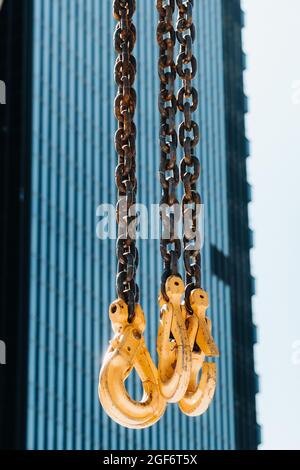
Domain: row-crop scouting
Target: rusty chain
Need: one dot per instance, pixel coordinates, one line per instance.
(175, 378)
(187, 102)
(170, 244)
(125, 104)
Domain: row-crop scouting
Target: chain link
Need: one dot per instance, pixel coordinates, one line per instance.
(170, 245)
(125, 137)
(187, 102)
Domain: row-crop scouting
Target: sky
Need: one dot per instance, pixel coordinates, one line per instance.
(272, 82)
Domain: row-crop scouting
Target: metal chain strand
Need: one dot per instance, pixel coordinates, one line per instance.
(170, 245)
(125, 104)
(187, 102)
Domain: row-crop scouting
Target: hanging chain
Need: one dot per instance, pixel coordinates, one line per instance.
(183, 340)
(187, 102)
(170, 244)
(125, 104)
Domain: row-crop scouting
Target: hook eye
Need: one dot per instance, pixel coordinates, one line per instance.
(127, 351)
(174, 352)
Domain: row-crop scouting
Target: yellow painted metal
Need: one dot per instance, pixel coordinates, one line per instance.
(199, 395)
(128, 350)
(174, 352)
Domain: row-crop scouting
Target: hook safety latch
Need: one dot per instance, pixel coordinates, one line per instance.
(173, 348)
(199, 395)
(128, 350)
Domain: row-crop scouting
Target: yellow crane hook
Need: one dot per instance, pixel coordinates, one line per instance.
(173, 348)
(199, 395)
(128, 350)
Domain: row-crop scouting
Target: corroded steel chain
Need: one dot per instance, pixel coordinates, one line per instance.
(184, 336)
(187, 101)
(125, 104)
(169, 172)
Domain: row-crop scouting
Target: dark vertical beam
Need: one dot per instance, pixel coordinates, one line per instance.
(15, 151)
(240, 275)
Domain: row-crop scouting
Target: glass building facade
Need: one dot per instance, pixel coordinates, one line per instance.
(72, 272)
